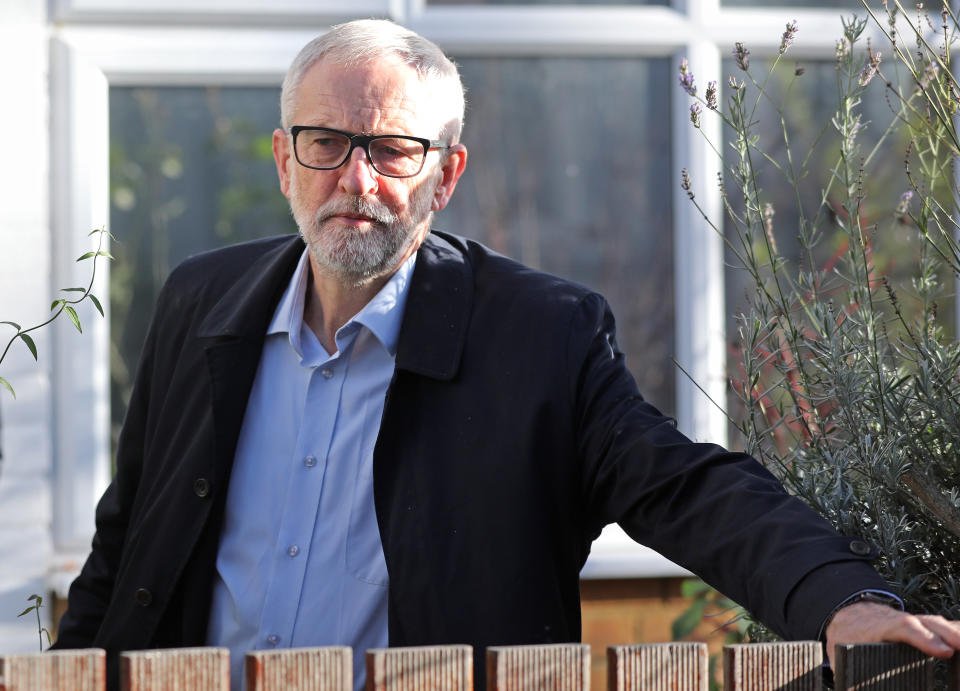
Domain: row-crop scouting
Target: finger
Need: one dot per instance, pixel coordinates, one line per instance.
(915, 631)
(947, 630)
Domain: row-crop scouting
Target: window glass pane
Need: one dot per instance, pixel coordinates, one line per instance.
(573, 177)
(190, 169)
(841, 4)
(547, 2)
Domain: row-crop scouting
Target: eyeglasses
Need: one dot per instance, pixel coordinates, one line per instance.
(393, 155)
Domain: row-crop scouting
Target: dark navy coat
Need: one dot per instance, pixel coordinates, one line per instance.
(512, 433)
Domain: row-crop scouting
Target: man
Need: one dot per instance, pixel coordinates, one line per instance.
(385, 436)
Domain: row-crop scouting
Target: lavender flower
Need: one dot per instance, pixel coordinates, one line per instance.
(686, 78)
(712, 95)
(843, 50)
(695, 111)
(789, 35)
(903, 208)
(741, 56)
(734, 84)
(685, 183)
(930, 72)
(798, 70)
(870, 69)
(853, 132)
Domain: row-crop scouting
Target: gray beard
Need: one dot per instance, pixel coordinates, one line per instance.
(354, 256)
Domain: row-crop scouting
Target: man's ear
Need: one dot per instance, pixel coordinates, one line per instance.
(451, 168)
(283, 157)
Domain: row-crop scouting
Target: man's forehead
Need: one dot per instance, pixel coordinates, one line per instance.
(377, 95)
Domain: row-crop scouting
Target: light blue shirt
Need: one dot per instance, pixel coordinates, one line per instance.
(300, 561)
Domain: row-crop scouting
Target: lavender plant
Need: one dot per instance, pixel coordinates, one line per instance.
(848, 386)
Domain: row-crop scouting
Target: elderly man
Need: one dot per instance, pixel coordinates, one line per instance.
(372, 435)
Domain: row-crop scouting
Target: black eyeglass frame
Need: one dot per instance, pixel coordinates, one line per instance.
(363, 141)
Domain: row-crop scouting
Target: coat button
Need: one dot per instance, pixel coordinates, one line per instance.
(201, 487)
(860, 548)
(143, 597)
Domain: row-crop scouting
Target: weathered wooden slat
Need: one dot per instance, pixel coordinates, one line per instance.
(559, 667)
(303, 669)
(790, 666)
(55, 670)
(882, 667)
(658, 667)
(428, 668)
(175, 669)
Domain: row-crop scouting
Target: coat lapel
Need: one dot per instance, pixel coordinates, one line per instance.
(232, 335)
(438, 309)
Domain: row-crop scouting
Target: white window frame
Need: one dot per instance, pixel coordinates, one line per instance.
(99, 43)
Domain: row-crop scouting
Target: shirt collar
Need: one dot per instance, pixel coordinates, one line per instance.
(382, 316)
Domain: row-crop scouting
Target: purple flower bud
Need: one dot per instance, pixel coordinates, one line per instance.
(686, 78)
(789, 36)
(695, 111)
(741, 56)
(711, 97)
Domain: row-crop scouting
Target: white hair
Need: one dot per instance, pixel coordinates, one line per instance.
(365, 40)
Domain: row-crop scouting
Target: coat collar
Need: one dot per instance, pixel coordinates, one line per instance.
(435, 321)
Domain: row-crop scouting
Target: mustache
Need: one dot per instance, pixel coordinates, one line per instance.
(374, 210)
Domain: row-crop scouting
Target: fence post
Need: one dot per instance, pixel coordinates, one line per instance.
(184, 669)
(559, 667)
(656, 666)
(758, 666)
(303, 669)
(55, 670)
(426, 668)
(882, 667)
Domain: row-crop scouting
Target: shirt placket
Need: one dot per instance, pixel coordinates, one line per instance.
(306, 485)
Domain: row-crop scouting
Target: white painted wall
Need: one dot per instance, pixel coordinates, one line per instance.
(25, 507)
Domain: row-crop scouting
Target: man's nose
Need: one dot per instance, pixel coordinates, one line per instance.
(357, 176)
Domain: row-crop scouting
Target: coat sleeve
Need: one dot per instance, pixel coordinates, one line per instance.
(718, 513)
(90, 593)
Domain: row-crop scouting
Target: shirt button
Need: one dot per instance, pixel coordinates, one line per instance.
(143, 597)
(273, 639)
(293, 550)
(326, 373)
(309, 461)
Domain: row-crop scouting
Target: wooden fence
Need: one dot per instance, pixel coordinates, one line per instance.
(564, 667)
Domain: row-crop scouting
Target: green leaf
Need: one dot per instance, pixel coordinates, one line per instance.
(47, 634)
(692, 587)
(73, 290)
(104, 253)
(72, 313)
(13, 324)
(96, 303)
(9, 388)
(30, 344)
(86, 255)
(683, 625)
(37, 598)
(55, 304)
(27, 610)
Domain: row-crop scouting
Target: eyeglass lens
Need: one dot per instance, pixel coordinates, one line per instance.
(395, 156)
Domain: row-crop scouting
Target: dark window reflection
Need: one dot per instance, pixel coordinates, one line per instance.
(569, 171)
(190, 169)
